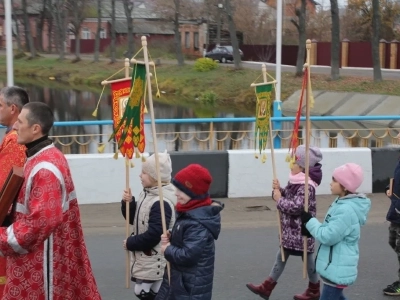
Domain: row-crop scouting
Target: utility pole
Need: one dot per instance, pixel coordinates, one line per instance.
(220, 7)
(9, 45)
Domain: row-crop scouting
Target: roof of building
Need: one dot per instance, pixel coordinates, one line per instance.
(138, 12)
(143, 27)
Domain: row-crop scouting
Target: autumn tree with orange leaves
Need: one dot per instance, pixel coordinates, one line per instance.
(357, 23)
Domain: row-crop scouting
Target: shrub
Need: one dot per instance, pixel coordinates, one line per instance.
(19, 55)
(209, 98)
(205, 64)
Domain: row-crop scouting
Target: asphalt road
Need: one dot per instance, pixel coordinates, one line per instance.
(245, 252)
(349, 72)
(246, 255)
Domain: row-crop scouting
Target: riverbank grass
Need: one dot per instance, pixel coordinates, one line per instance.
(222, 86)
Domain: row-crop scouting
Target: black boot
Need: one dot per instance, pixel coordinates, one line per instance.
(152, 295)
(146, 296)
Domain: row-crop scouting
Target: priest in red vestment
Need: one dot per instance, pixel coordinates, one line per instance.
(12, 99)
(45, 248)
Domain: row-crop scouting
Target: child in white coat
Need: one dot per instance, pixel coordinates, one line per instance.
(148, 263)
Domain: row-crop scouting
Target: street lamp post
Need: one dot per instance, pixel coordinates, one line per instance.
(220, 7)
(9, 45)
(277, 103)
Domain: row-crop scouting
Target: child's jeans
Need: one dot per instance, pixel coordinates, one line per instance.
(332, 293)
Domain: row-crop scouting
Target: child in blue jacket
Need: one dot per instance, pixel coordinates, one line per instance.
(339, 234)
(190, 247)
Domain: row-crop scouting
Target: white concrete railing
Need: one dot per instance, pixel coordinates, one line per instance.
(99, 178)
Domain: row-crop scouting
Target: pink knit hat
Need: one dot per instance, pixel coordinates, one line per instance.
(350, 176)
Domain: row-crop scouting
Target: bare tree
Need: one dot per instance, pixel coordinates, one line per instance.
(59, 12)
(113, 34)
(171, 10)
(376, 22)
(40, 24)
(179, 54)
(237, 60)
(257, 28)
(77, 15)
(50, 32)
(128, 8)
(319, 25)
(16, 33)
(357, 22)
(301, 28)
(335, 42)
(97, 41)
(28, 32)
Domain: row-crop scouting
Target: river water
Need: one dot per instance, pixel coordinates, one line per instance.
(70, 104)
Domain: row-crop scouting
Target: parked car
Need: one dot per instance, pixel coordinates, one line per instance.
(223, 54)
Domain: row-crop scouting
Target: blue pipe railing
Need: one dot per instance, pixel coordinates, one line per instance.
(277, 121)
(235, 120)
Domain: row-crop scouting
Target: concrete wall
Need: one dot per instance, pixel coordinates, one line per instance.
(99, 178)
(249, 177)
(384, 161)
(217, 162)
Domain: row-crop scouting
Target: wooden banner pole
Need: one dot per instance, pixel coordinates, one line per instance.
(307, 146)
(278, 214)
(127, 212)
(154, 133)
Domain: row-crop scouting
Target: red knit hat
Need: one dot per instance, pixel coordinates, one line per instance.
(194, 181)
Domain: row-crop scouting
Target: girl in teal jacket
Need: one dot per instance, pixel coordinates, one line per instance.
(339, 234)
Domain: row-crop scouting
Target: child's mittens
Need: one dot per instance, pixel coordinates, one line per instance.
(305, 217)
(304, 231)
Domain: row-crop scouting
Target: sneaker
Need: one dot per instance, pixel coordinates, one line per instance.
(393, 289)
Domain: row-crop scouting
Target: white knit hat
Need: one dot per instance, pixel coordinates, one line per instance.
(149, 166)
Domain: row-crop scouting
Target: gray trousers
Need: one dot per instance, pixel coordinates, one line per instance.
(279, 266)
(394, 241)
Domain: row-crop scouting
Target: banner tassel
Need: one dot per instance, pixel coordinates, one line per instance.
(264, 158)
(94, 114)
(101, 148)
(115, 155)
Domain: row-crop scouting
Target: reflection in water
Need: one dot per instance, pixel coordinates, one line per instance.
(75, 105)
